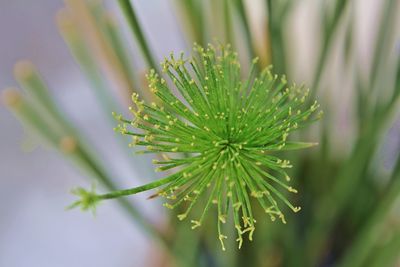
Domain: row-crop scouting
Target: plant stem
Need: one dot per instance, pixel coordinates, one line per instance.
(277, 12)
(247, 31)
(83, 13)
(136, 29)
(48, 122)
(275, 32)
(193, 18)
(327, 42)
(82, 55)
(363, 244)
(381, 45)
(347, 179)
(135, 190)
(229, 38)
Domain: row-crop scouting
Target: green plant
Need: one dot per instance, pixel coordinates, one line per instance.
(347, 195)
(228, 130)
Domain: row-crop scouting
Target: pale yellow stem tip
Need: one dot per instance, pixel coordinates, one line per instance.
(23, 69)
(11, 97)
(68, 144)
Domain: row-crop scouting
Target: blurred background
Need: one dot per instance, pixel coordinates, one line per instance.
(356, 46)
(35, 229)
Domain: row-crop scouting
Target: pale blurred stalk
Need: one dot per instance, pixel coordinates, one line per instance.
(130, 16)
(43, 117)
(101, 49)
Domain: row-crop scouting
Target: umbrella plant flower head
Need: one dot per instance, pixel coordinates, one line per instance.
(217, 136)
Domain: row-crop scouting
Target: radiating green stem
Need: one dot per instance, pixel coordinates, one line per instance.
(136, 29)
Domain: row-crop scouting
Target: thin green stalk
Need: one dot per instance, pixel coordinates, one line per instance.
(128, 207)
(240, 8)
(83, 14)
(368, 237)
(88, 65)
(193, 13)
(396, 91)
(229, 37)
(327, 42)
(28, 116)
(382, 40)
(45, 116)
(364, 243)
(348, 178)
(130, 16)
(277, 12)
(83, 56)
(107, 23)
(28, 78)
(135, 190)
(116, 41)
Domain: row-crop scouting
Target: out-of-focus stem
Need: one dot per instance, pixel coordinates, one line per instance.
(240, 8)
(82, 55)
(331, 206)
(114, 36)
(136, 29)
(327, 42)
(80, 51)
(229, 38)
(100, 48)
(368, 237)
(347, 179)
(364, 243)
(384, 33)
(192, 15)
(275, 28)
(58, 133)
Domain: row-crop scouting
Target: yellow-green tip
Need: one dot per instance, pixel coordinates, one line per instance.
(11, 97)
(88, 200)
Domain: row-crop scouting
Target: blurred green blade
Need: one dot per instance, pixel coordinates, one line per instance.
(136, 28)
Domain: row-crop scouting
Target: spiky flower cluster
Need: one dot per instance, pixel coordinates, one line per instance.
(219, 133)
